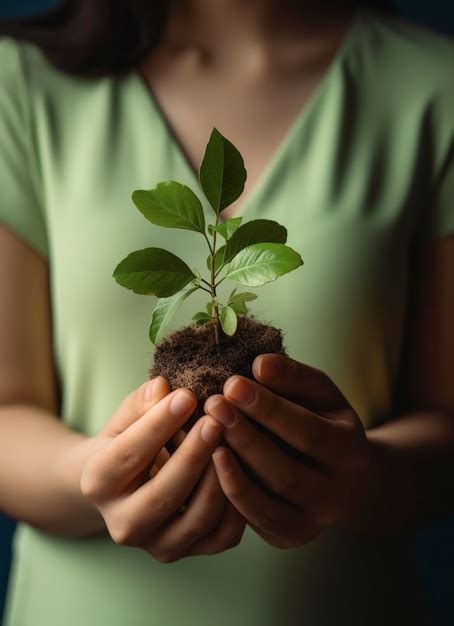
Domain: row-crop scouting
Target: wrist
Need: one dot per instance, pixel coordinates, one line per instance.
(69, 465)
(70, 460)
(384, 503)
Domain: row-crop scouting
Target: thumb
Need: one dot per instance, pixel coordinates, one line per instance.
(136, 404)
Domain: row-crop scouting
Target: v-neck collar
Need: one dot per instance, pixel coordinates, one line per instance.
(283, 147)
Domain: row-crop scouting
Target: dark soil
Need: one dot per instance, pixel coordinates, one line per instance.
(191, 358)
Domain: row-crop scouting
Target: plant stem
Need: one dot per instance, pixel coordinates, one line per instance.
(208, 242)
(218, 332)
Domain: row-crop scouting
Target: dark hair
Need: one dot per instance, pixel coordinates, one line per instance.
(95, 38)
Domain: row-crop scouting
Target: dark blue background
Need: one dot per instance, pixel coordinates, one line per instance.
(25, 8)
(433, 547)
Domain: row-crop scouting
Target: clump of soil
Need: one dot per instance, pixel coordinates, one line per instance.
(191, 358)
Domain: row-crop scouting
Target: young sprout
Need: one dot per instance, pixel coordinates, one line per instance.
(253, 253)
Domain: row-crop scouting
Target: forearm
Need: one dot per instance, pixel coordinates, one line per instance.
(41, 461)
(415, 479)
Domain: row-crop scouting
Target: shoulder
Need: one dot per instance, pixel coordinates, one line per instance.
(18, 58)
(409, 72)
(25, 68)
(412, 63)
(10, 68)
(13, 105)
(49, 102)
(415, 50)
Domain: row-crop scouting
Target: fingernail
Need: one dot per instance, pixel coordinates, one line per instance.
(181, 402)
(149, 390)
(222, 460)
(222, 411)
(210, 430)
(240, 391)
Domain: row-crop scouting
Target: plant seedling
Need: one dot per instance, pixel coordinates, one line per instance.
(252, 253)
(223, 339)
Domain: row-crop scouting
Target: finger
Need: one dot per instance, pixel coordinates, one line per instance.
(109, 472)
(306, 431)
(176, 441)
(172, 445)
(179, 437)
(149, 472)
(202, 515)
(288, 478)
(260, 509)
(226, 535)
(162, 458)
(134, 405)
(155, 501)
(299, 382)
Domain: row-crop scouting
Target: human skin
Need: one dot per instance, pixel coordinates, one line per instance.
(144, 513)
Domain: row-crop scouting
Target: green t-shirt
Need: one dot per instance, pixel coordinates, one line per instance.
(365, 171)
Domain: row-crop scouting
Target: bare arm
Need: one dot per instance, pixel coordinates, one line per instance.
(40, 463)
(416, 449)
(41, 459)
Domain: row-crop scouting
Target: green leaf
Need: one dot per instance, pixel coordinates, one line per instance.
(232, 294)
(228, 320)
(222, 174)
(239, 307)
(153, 271)
(227, 228)
(164, 311)
(261, 263)
(201, 317)
(218, 259)
(237, 301)
(172, 205)
(209, 308)
(255, 231)
(243, 296)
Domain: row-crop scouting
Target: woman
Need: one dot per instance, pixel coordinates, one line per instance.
(344, 117)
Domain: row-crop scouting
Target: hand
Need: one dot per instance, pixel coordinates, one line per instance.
(292, 498)
(138, 488)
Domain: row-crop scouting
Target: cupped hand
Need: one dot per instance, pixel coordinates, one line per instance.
(288, 499)
(169, 506)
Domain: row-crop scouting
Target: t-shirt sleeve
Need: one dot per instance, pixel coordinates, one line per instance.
(21, 210)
